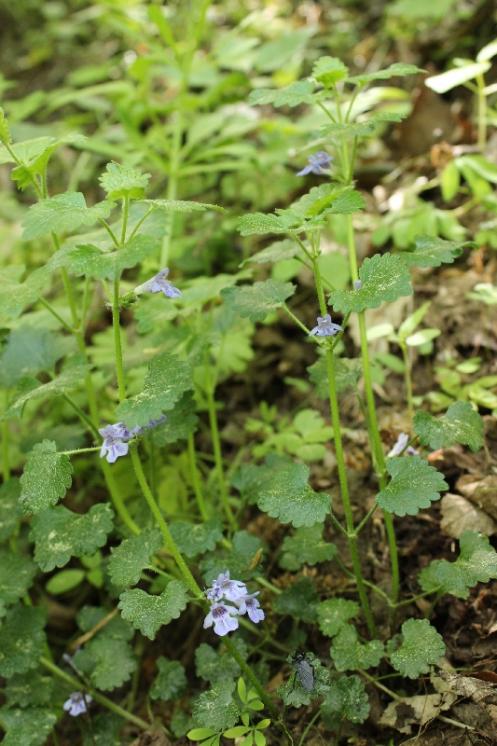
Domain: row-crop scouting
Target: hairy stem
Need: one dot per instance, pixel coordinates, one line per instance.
(197, 486)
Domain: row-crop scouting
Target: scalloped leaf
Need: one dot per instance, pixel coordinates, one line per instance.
(335, 613)
(91, 261)
(260, 223)
(46, 478)
(295, 94)
(397, 70)
(414, 485)
(460, 424)
(170, 682)
(349, 654)
(306, 547)
(420, 647)
(122, 181)
(10, 513)
(256, 301)
(133, 555)
(477, 563)
(28, 726)
(347, 699)
(216, 707)
(16, 576)
(22, 640)
(70, 378)
(384, 278)
(431, 251)
(148, 613)
(64, 213)
(181, 205)
(196, 538)
(329, 71)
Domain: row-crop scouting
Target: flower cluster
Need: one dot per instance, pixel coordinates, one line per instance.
(77, 704)
(325, 327)
(116, 438)
(159, 284)
(317, 163)
(229, 600)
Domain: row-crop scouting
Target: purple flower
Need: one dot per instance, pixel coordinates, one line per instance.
(223, 617)
(160, 284)
(77, 704)
(400, 446)
(317, 163)
(116, 438)
(224, 587)
(357, 284)
(325, 327)
(250, 605)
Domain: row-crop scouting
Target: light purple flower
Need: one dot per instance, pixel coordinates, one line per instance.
(224, 587)
(160, 284)
(250, 605)
(77, 704)
(325, 327)
(317, 163)
(115, 442)
(357, 284)
(400, 446)
(223, 617)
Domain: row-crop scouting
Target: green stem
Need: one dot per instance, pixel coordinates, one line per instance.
(56, 315)
(100, 698)
(197, 487)
(296, 319)
(408, 380)
(124, 223)
(218, 456)
(341, 466)
(482, 113)
(247, 670)
(118, 351)
(5, 443)
(77, 451)
(117, 499)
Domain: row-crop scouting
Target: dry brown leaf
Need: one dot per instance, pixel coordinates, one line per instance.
(418, 710)
(459, 515)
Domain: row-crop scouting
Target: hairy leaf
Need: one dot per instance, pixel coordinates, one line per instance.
(170, 682)
(22, 640)
(397, 70)
(431, 251)
(256, 301)
(294, 94)
(349, 654)
(46, 478)
(196, 538)
(414, 485)
(216, 707)
(334, 613)
(64, 213)
(16, 576)
(306, 547)
(29, 726)
(121, 181)
(346, 700)
(148, 613)
(91, 261)
(132, 556)
(384, 278)
(460, 424)
(421, 646)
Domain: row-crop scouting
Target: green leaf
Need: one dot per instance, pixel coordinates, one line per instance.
(148, 613)
(170, 682)
(346, 700)
(414, 485)
(326, 199)
(258, 223)
(298, 601)
(280, 488)
(347, 374)
(60, 534)
(329, 71)
(431, 251)
(22, 640)
(121, 181)
(132, 556)
(256, 301)
(477, 563)
(293, 693)
(238, 560)
(216, 708)
(64, 213)
(9, 508)
(64, 581)
(16, 576)
(384, 278)
(398, 69)
(294, 94)
(33, 688)
(108, 660)
(421, 646)
(349, 654)
(181, 205)
(29, 727)
(29, 351)
(167, 379)
(211, 665)
(46, 478)
(181, 422)
(334, 613)
(275, 252)
(306, 547)
(70, 378)
(4, 128)
(91, 261)
(460, 424)
(196, 538)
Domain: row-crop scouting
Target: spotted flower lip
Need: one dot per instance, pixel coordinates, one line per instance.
(230, 599)
(224, 587)
(160, 284)
(77, 704)
(317, 163)
(223, 617)
(325, 327)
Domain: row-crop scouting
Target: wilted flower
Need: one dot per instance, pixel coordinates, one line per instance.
(116, 438)
(250, 605)
(400, 446)
(77, 704)
(325, 327)
(159, 284)
(223, 617)
(317, 163)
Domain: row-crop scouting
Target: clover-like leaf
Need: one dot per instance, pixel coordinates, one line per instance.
(122, 181)
(431, 251)
(29, 726)
(420, 647)
(397, 70)
(46, 478)
(216, 708)
(148, 613)
(196, 538)
(60, 534)
(414, 485)
(256, 301)
(349, 654)
(280, 488)
(477, 563)
(306, 547)
(346, 700)
(167, 379)
(22, 640)
(334, 613)
(64, 213)
(132, 556)
(170, 681)
(16, 575)
(294, 94)
(298, 601)
(460, 424)
(384, 278)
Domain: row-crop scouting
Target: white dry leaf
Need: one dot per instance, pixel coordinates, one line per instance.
(459, 515)
(417, 711)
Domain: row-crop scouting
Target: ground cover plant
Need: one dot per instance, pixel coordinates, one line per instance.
(247, 373)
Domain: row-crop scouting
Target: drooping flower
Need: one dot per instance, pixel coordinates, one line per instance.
(325, 327)
(250, 605)
(317, 163)
(77, 704)
(223, 617)
(160, 284)
(224, 587)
